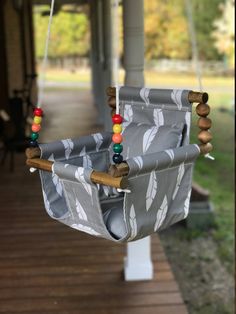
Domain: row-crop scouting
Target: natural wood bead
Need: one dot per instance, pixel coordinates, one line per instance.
(204, 136)
(112, 102)
(203, 110)
(113, 111)
(204, 123)
(205, 148)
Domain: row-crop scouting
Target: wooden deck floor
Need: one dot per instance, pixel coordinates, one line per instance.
(46, 267)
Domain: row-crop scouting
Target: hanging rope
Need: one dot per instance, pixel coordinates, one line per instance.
(193, 37)
(195, 54)
(45, 58)
(116, 62)
(38, 112)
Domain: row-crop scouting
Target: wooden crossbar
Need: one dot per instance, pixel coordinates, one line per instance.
(96, 176)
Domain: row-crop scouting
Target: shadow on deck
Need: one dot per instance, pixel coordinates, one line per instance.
(46, 267)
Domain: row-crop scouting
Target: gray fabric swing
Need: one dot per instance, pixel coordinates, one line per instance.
(156, 145)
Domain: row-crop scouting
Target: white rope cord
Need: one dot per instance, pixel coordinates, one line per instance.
(193, 37)
(195, 54)
(116, 63)
(45, 59)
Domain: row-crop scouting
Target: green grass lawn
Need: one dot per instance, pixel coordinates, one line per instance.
(216, 176)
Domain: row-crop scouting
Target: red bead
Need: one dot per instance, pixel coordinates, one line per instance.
(38, 112)
(117, 119)
(117, 138)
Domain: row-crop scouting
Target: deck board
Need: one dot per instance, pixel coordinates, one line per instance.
(47, 268)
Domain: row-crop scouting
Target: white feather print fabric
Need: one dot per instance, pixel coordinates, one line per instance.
(79, 175)
(85, 229)
(170, 153)
(81, 213)
(55, 179)
(82, 152)
(148, 137)
(99, 140)
(128, 116)
(188, 121)
(106, 190)
(47, 204)
(151, 190)
(133, 223)
(158, 117)
(87, 163)
(176, 96)
(144, 94)
(179, 179)
(69, 145)
(139, 161)
(161, 214)
(186, 204)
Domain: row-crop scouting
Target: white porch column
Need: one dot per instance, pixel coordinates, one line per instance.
(138, 263)
(101, 57)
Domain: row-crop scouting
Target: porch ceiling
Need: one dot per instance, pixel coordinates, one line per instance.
(60, 2)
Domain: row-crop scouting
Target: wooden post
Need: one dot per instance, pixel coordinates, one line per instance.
(101, 57)
(138, 263)
(133, 20)
(3, 62)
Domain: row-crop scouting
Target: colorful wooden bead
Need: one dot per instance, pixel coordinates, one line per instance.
(34, 136)
(37, 120)
(117, 119)
(117, 158)
(38, 112)
(117, 148)
(36, 127)
(117, 138)
(117, 128)
(33, 143)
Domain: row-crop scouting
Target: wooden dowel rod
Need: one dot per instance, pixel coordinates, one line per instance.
(33, 152)
(41, 164)
(123, 168)
(96, 177)
(193, 97)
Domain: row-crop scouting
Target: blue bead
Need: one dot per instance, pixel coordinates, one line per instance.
(33, 143)
(117, 158)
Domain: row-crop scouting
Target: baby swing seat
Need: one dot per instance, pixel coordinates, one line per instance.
(154, 193)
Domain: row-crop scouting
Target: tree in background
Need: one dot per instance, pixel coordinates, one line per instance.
(166, 30)
(204, 14)
(224, 32)
(69, 35)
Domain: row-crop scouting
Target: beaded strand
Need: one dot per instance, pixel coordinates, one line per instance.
(36, 127)
(117, 138)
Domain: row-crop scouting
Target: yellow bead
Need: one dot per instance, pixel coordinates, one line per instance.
(117, 128)
(37, 120)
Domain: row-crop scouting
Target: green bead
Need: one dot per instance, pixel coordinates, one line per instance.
(34, 136)
(117, 148)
